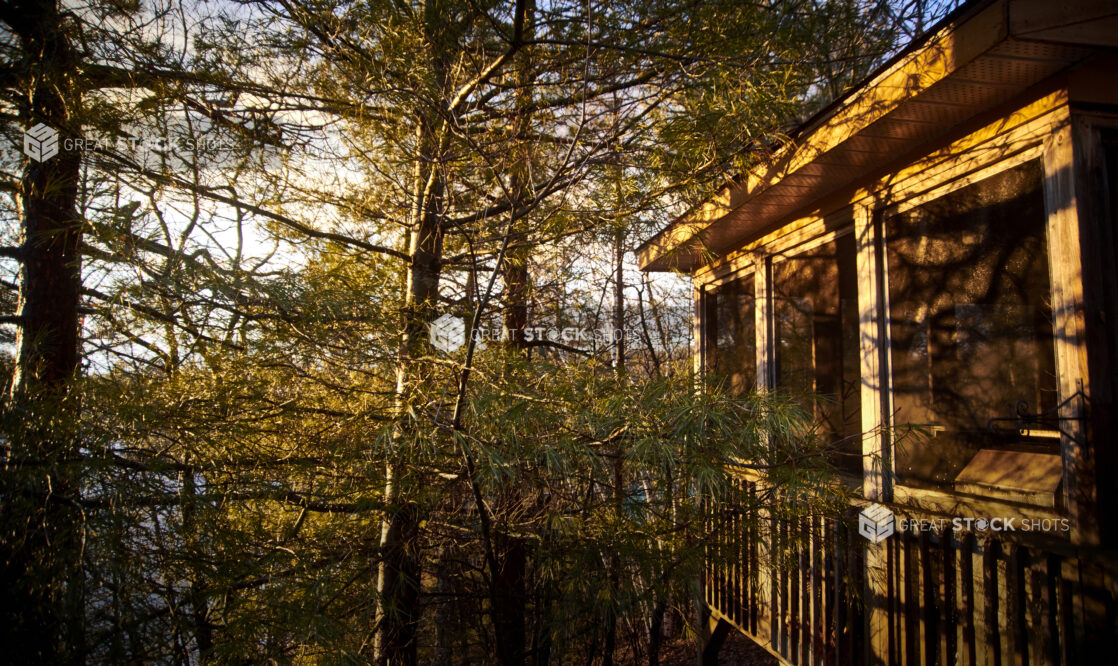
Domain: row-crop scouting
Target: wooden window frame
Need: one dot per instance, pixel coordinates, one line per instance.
(702, 295)
(877, 276)
(1057, 155)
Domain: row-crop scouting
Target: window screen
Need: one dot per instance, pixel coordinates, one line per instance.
(970, 321)
(731, 344)
(815, 327)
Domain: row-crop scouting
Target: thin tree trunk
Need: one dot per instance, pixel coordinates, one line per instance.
(509, 581)
(200, 609)
(619, 304)
(618, 454)
(446, 619)
(398, 576)
(517, 287)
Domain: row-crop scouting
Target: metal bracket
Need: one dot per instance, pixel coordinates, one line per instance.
(1049, 420)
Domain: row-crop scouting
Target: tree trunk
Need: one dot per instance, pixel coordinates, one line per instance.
(509, 581)
(619, 304)
(398, 575)
(511, 598)
(447, 608)
(398, 587)
(42, 567)
(516, 298)
(47, 345)
(656, 632)
(196, 593)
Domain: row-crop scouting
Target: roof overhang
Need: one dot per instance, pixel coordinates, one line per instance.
(982, 56)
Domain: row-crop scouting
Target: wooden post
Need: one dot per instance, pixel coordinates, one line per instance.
(875, 458)
(718, 633)
(1097, 210)
(1068, 324)
(698, 327)
(876, 600)
(762, 308)
(876, 465)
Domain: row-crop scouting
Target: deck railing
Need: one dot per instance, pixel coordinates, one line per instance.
(923, 596)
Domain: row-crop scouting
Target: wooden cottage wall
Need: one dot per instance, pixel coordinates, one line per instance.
(948, 595)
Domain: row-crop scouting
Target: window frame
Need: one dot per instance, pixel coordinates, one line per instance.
(973, 156)
(705, 352)
(834, 227)
(879, 257)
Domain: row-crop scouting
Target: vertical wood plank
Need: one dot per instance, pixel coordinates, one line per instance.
(949, 614)
(911, 601)
(729, 563)
(794, 596)
(739, 557)
(781, 605)
(978, 560)
(858, 611)
(1017, 628)
(1036, 602)
(698, 330)
(967, 598)
(790, 596)
(726, 563)
(762, 559)
(992, 618)
(704, 578)
(893, 588)
(929, 615)
(805, 592)
(735, 555)
(1066, 602)
(828, 585)
(774, 577)
(1051, 609)
(753, 545)
(719, 572)
(875, 598)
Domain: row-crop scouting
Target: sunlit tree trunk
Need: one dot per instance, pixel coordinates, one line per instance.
(398, 576)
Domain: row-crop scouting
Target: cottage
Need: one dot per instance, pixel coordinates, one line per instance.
(935, 255)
